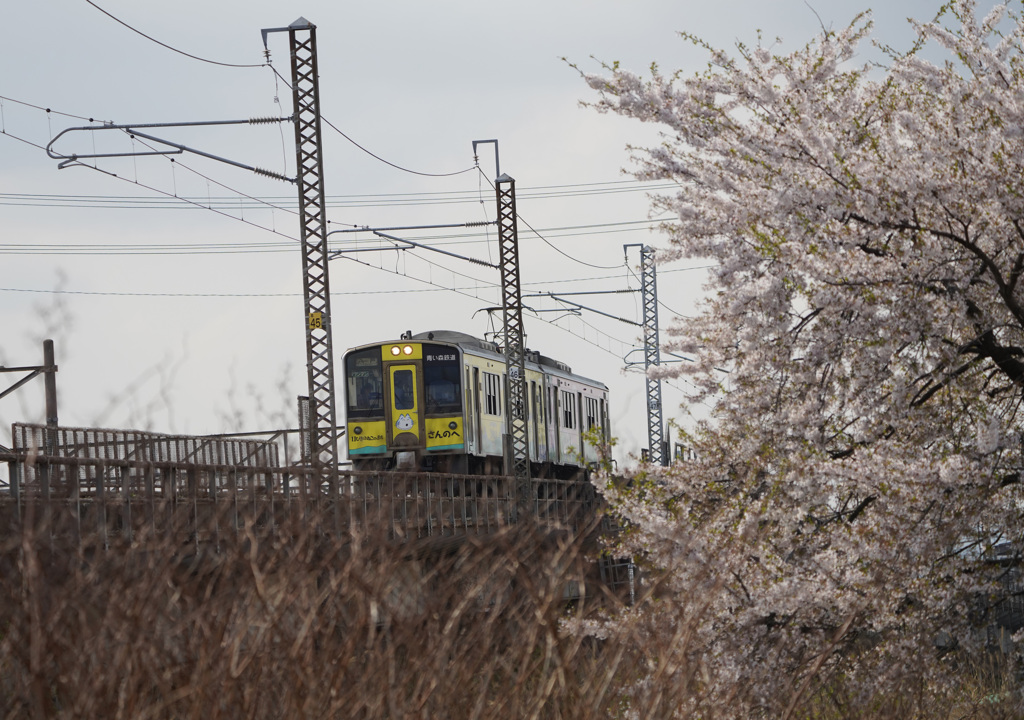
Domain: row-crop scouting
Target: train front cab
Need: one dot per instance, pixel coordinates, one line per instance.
(404, 407)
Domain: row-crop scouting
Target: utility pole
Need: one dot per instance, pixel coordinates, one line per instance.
(323, 426)
(517, 449)
(49, 372)
(515, 352)
(656, 453)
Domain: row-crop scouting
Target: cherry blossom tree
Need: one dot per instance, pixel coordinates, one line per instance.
(852, 523)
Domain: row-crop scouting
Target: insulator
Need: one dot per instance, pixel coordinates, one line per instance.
(265, 120)
(272, 174)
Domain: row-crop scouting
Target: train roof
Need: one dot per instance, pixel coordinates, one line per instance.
(467, 341)
(456, 338)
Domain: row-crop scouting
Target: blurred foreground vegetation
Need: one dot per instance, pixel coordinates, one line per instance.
(294, 624)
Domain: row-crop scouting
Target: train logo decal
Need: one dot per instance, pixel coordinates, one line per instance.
(404, 422)
(440, 434)
(366, 437)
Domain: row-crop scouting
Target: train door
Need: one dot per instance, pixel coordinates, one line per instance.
(470, 412)
(406, 423)
(580, 421)
(476, 411)
(558, 424)
(534, 424)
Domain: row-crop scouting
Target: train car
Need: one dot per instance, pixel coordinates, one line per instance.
(437, 401)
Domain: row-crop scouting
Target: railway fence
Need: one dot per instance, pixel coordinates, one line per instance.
(116, 484)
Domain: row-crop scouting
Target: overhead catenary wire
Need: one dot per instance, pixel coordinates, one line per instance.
(195, 202)
(209, 206)
(48, 110)
(369, 152)
(392, 291)
(169, 47)
(539, 192)
(663, 272)
(388, 162)
(175, 163)
(346, 201)
(519, 218)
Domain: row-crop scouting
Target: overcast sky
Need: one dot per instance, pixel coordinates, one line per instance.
(174, 317)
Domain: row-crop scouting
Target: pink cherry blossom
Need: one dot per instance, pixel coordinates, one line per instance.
(838, 529)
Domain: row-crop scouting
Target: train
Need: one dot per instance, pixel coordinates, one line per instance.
(438, 402)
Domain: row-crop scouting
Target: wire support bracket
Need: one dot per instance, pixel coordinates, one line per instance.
(407, 245)
(69, 160)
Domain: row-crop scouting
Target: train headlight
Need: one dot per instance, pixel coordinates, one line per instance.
(395, 350)
(407, 350)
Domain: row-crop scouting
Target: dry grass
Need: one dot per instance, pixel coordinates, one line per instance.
(294, 624)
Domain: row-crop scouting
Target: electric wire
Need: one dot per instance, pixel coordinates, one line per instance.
(338, 130)
(190, 201)
(438, 288)
(174, 163)
(165, 45)
(186, 248)
(387, 162)
(430, 263)
(209, 206)
(534, 193)
(495, 287)
(662, 304)
(519, 218)
(21, 139)
(127, 202)
(48, 110)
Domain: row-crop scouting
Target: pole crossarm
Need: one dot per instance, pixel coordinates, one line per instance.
(408, 245)
(514, 342)
(367, 228)
(49, 367)
(178, 148)
(678, 358)
(576, 306)
(32, 372)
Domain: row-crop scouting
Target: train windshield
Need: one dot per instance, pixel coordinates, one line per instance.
(363, 385)
(442, 379)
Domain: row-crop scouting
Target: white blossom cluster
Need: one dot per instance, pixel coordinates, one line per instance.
(854, 510)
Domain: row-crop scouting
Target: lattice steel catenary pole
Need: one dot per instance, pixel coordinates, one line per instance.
(515, 353)
(652, 357)
(312, 208)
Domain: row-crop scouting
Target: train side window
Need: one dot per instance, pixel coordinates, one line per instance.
(492, 398)
(364, 394)
(568, 410)
(593, 418)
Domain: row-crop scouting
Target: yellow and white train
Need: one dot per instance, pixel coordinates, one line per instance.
(437, 401)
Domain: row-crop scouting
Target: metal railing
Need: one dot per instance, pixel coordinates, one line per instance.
(121, 496)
